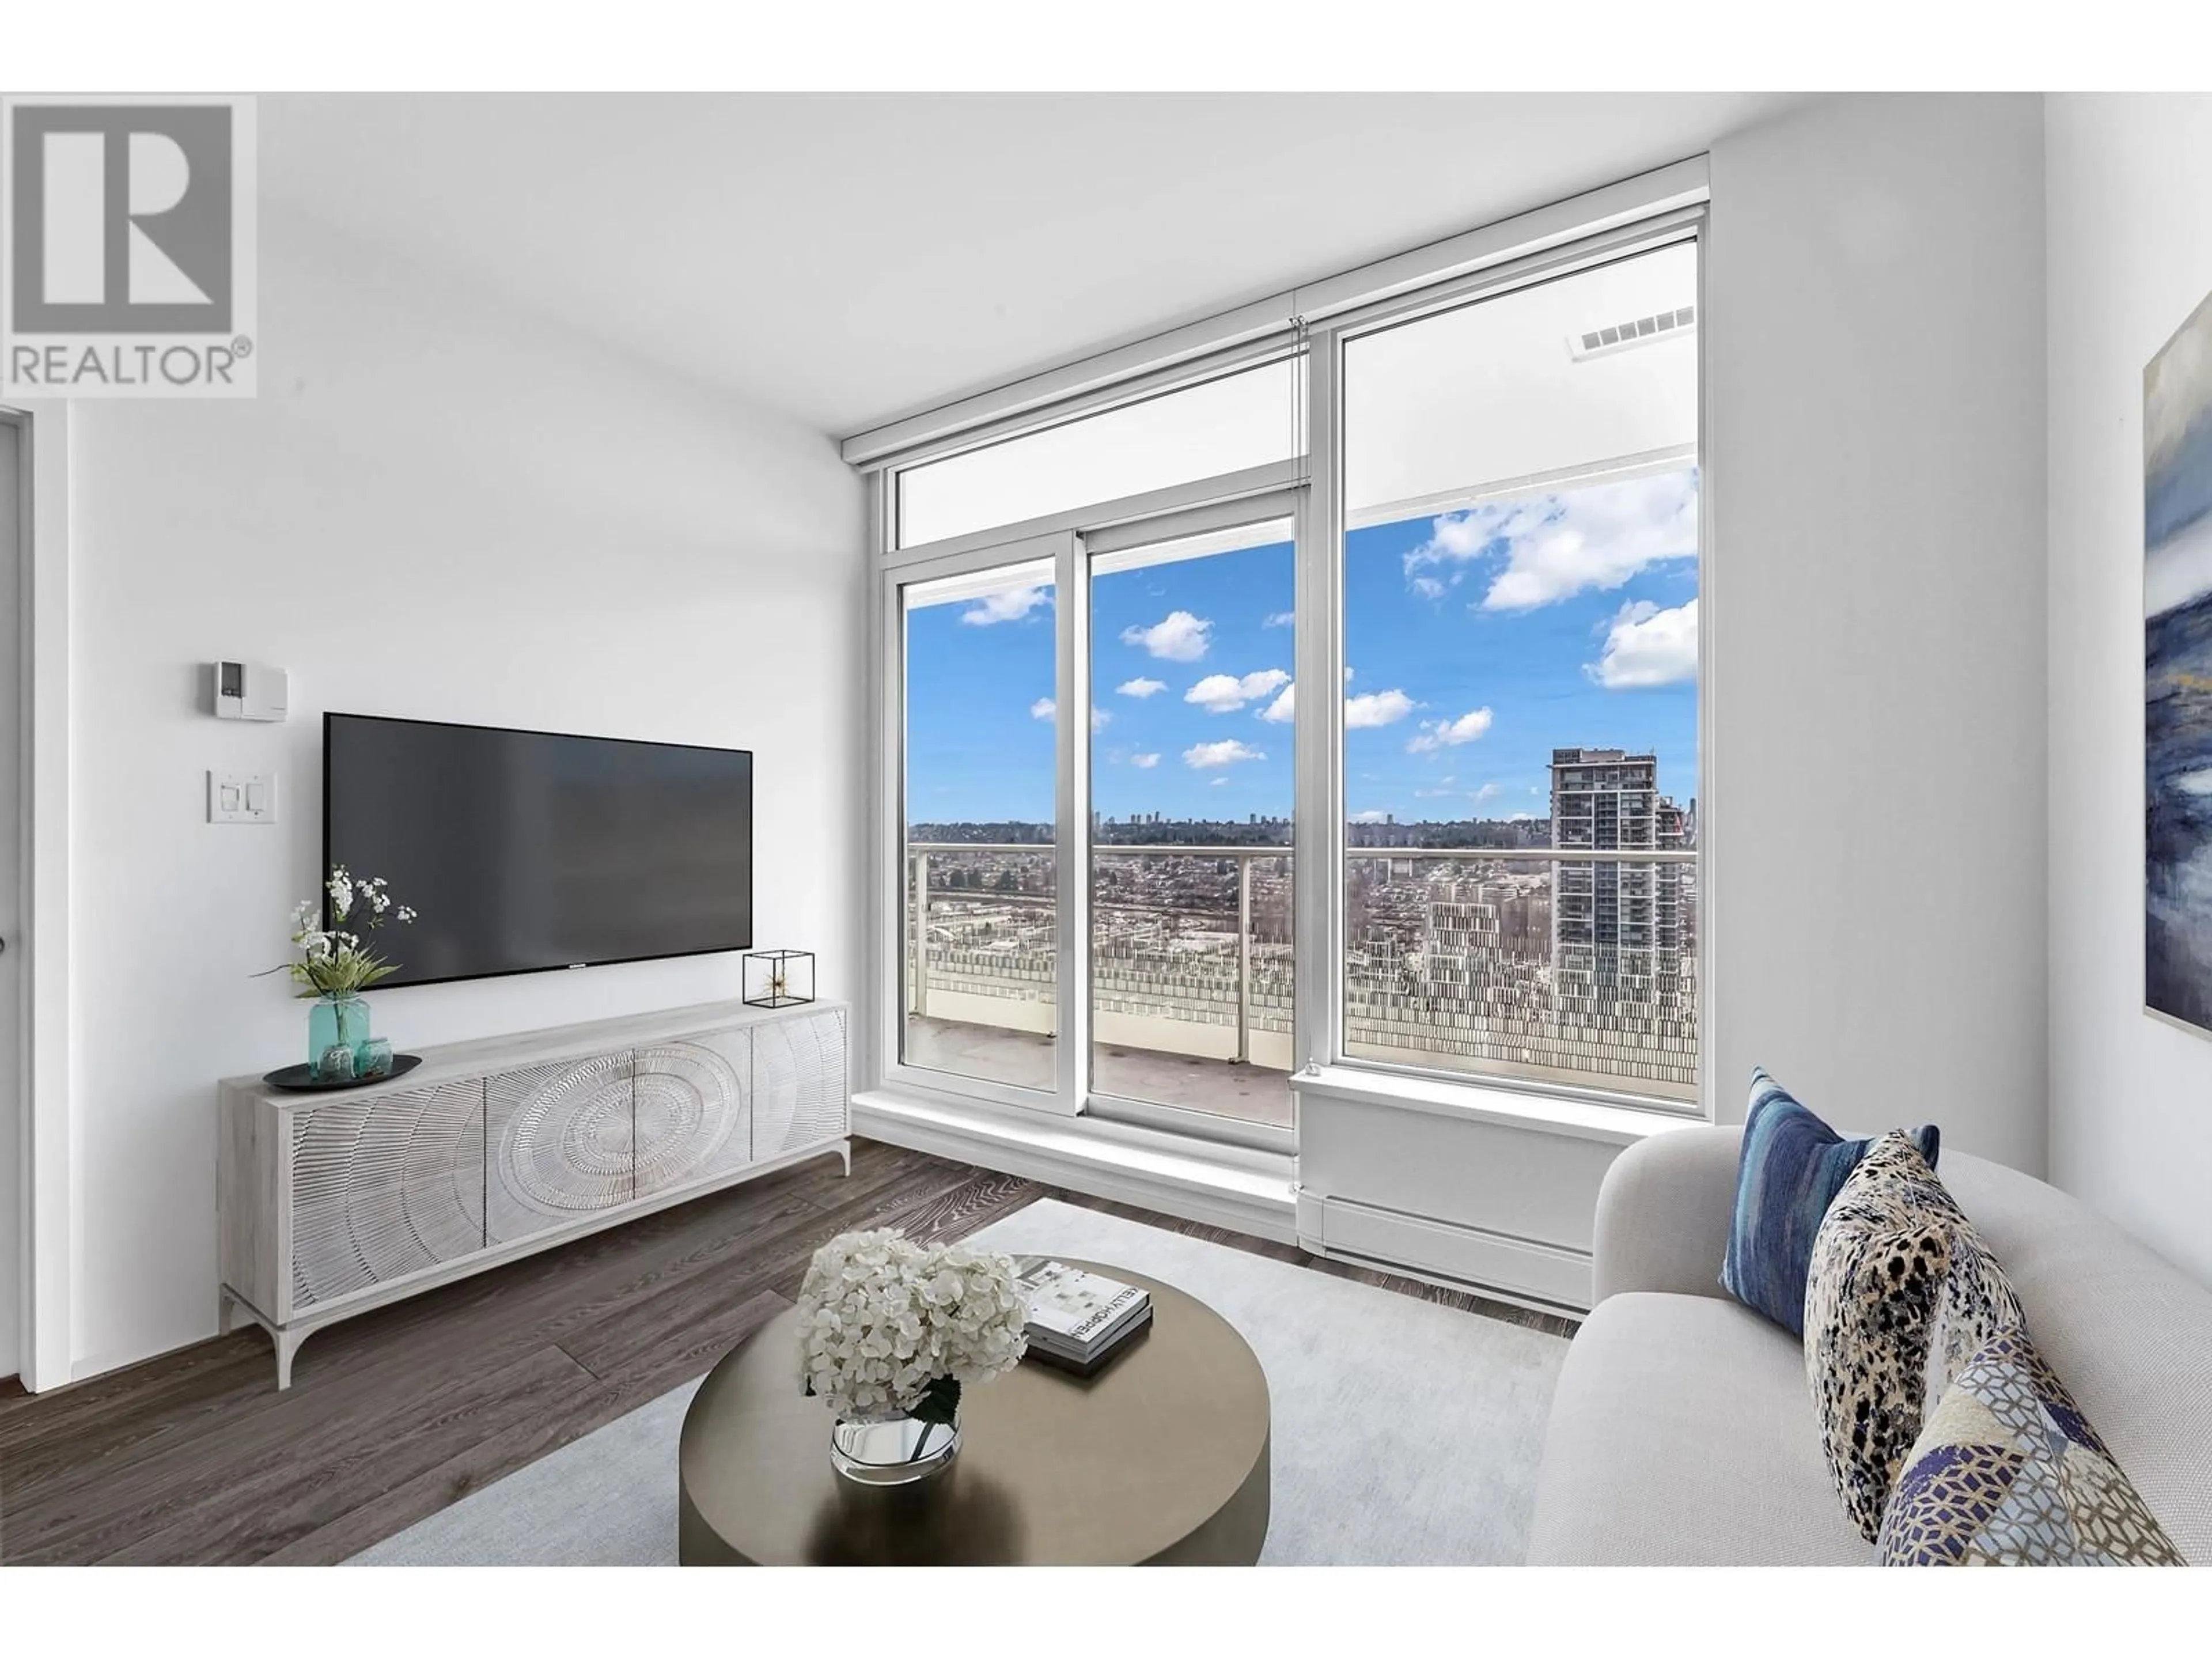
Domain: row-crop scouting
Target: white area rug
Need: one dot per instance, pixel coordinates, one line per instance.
(1403, 1432)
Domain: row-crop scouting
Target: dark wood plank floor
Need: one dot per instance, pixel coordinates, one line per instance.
(194, 1457)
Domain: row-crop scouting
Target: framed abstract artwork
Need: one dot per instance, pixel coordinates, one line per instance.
(2178, 675)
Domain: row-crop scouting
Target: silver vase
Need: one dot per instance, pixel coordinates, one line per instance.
(895, 1451)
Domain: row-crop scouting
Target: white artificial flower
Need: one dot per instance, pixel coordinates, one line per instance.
(340, 888)
(881, 1319)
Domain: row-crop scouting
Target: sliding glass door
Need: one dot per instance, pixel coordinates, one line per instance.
(1192, 759)
(978, 787)
(1093, 779)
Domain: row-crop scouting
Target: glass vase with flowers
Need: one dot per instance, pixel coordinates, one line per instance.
(335, 966)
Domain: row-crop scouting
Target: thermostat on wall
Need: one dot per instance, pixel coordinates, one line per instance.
(249, 691)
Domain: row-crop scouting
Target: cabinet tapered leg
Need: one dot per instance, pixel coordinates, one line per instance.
(287, 1344)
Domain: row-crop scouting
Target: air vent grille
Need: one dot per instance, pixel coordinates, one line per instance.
(1621, 336)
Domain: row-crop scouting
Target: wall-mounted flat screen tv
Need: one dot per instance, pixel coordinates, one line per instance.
(521, 851)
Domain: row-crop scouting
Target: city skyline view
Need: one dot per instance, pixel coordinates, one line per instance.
(1476, 641)
(1522, 673)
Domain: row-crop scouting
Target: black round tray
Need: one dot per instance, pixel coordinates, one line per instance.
(300, 1076)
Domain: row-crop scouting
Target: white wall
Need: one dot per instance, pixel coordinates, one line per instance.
(1873, 299)
(2129, 179)
(15, 1096)
(435, 507)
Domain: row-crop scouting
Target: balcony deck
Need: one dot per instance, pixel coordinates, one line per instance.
(1255, 1094)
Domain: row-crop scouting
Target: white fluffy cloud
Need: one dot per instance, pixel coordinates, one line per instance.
(1280, 619)
(1220, 694)
(1140, 688)
(1373, 815)
(1044, 708)
(1211, 756)
(1556, 546)
(1647, 645)
(1376, 709)
(1449, 734)
(1010, 605)
(1145, 761)
(1369, 709)
(1178, 637)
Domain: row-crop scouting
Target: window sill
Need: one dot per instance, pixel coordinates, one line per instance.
(1245, 1189)
(1487, 1101)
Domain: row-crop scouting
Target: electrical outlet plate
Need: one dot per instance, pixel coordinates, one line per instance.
(242, 797)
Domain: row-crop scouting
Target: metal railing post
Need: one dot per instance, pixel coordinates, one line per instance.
(1244, 960)
(922, 936)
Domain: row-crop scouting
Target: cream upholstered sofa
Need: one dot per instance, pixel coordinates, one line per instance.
(1683, 1432)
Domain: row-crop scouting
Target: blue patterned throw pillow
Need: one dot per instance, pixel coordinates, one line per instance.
(2007, 1472)
(1792, 1168)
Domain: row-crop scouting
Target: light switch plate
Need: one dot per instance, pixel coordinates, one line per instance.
(242, 797)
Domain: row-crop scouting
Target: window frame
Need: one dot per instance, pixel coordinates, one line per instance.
(1323, 772)
(1320, 842)
(892, 910)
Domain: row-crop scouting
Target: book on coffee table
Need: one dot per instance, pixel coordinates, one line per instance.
(1078, 1319)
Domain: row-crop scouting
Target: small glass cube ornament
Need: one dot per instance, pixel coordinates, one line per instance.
(779, 979)
(337, 1064)
(374, 1058)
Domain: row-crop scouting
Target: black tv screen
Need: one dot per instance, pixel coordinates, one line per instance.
(527, 850)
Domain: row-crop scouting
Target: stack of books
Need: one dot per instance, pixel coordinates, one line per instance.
(1078, 1319)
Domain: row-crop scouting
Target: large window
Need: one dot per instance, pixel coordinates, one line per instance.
(1122, 880)
(1521, 640)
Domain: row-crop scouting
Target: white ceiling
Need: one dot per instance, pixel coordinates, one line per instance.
(847, 259)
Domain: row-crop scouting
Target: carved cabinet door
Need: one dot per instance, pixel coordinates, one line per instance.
(385, 1186)
(799, 1082)
(692, 1106)
(557, 1145)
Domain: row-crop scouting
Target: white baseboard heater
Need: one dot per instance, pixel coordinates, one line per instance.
(1519, 1270)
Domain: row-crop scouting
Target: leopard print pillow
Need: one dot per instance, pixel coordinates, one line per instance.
(1901, 1293)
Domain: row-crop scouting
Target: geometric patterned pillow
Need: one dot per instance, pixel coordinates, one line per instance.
(2008, 1472)
(1902, 1292)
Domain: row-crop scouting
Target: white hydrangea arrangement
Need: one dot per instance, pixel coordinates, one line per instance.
(888, 1327)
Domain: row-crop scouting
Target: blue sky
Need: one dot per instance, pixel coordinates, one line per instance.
(1478, 641)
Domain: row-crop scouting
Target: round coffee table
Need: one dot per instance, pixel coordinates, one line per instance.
(1160, 1458)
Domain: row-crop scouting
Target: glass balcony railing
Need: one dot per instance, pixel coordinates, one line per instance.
(1565, 965)
(1568, 965)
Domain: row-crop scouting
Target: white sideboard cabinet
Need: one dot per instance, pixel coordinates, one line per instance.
(338, 1201)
